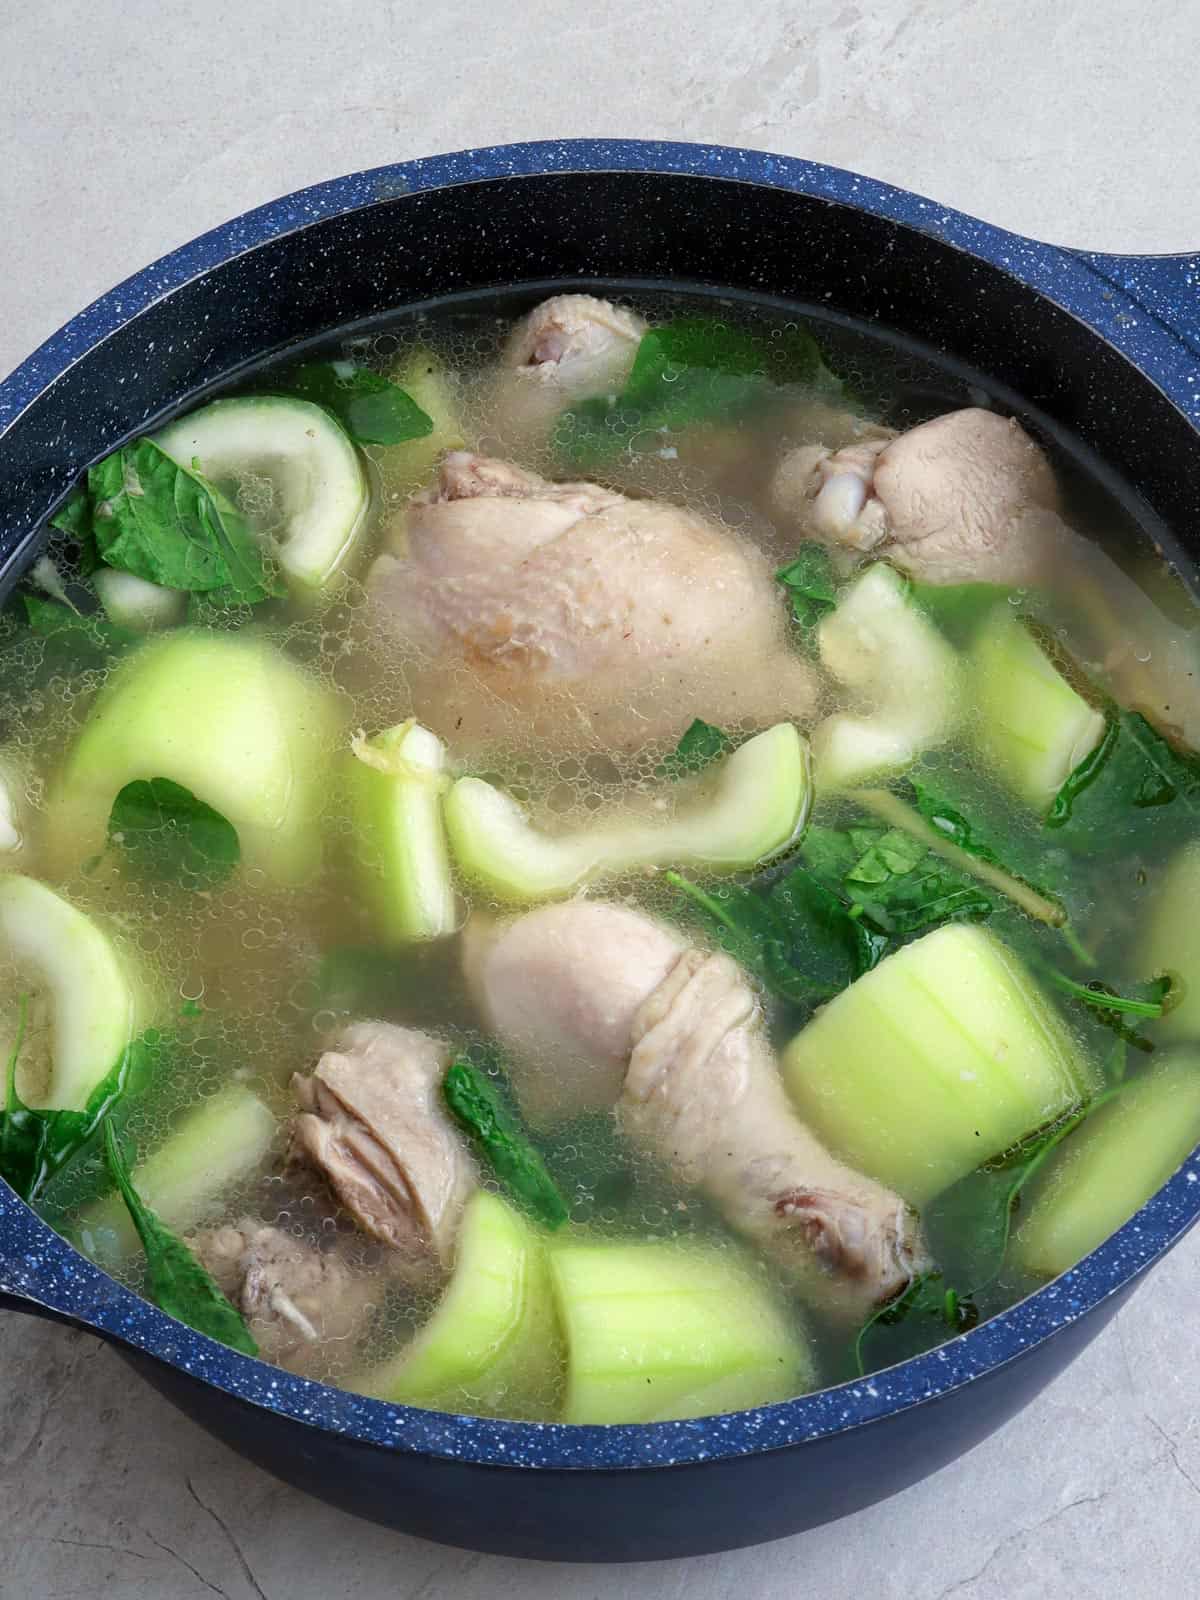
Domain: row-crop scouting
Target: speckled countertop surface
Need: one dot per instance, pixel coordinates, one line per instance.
(128, 128)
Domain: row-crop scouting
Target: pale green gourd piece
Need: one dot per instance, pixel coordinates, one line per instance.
(221, 1143)
(1171, 941)
(93, 993)
(944, 1055)
(321, 493)
(398, 780)
(491, 1348)
(1108, 1168)
(136, 603)
(752, 807)
(229, 718)
(1031, 726)
(901, 711)
(660, 1331)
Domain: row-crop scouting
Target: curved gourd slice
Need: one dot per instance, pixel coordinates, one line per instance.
(882, 648)
(1033, 728)
(491, 1347)
(94, 1000)
(1104, 1171)
(227, 717)
(321, 493)
(399, 779)
(217, 1146)
(756, 805)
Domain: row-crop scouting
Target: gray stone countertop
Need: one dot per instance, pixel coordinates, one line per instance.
(131, 125)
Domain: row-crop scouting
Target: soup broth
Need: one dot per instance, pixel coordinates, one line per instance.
(636, 855)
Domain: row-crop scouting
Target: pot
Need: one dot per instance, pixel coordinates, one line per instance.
(1100, 350)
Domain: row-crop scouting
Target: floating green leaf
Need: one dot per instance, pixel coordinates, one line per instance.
(35, 1145)
(167, 833)
(475, 1102)
(176, 1280)
(371, 408)
(808, 579)
(700, 745)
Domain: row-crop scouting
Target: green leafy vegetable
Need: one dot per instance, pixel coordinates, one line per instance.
(798, 938)
(35, 1145)
(473, 1099)
(74, 518)
(893, 880)
(701, 744)
(175, 1279)
(808, 580)
(926, 1314)
(371, 408)
(169, 834)
(79, 640)
(1133, 771)
(689, 371)
(1019, 862)
(970, 1222)
(169, 525)
(969, 1226)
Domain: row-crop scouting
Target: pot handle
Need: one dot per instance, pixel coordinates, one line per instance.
(1166, 288)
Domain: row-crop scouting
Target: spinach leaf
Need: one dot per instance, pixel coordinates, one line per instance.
(1030, 868)
(688, 371)
(970, 1222)
(926, 1314)
(958, 608)
(1130, 780)
(700, 745)
(892, 880)
(474, 1101)
(371, 408)
(798, 938)
(169, 834)
(74, 516)
(176, 1280)
(827, 935)
(79, 641)
(808, 579)
(35, 1145)
(169, 525)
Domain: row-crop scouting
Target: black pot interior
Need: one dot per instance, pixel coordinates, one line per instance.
(620, 227)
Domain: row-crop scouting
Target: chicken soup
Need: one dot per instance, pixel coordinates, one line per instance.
(611, 864)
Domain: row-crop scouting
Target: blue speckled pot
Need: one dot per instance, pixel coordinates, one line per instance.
(1107, 348)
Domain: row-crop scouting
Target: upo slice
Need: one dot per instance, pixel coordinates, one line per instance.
(398, 779)
(73, 972)
(225, 715)
(320, 491)
(756, 805)
(491, 1348)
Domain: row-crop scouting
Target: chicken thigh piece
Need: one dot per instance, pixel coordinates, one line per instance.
(372, 1123)
(297, 1300)
(566, 349)
(970, 498)
(580, 617)
(947, 502)
(673, 1038)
